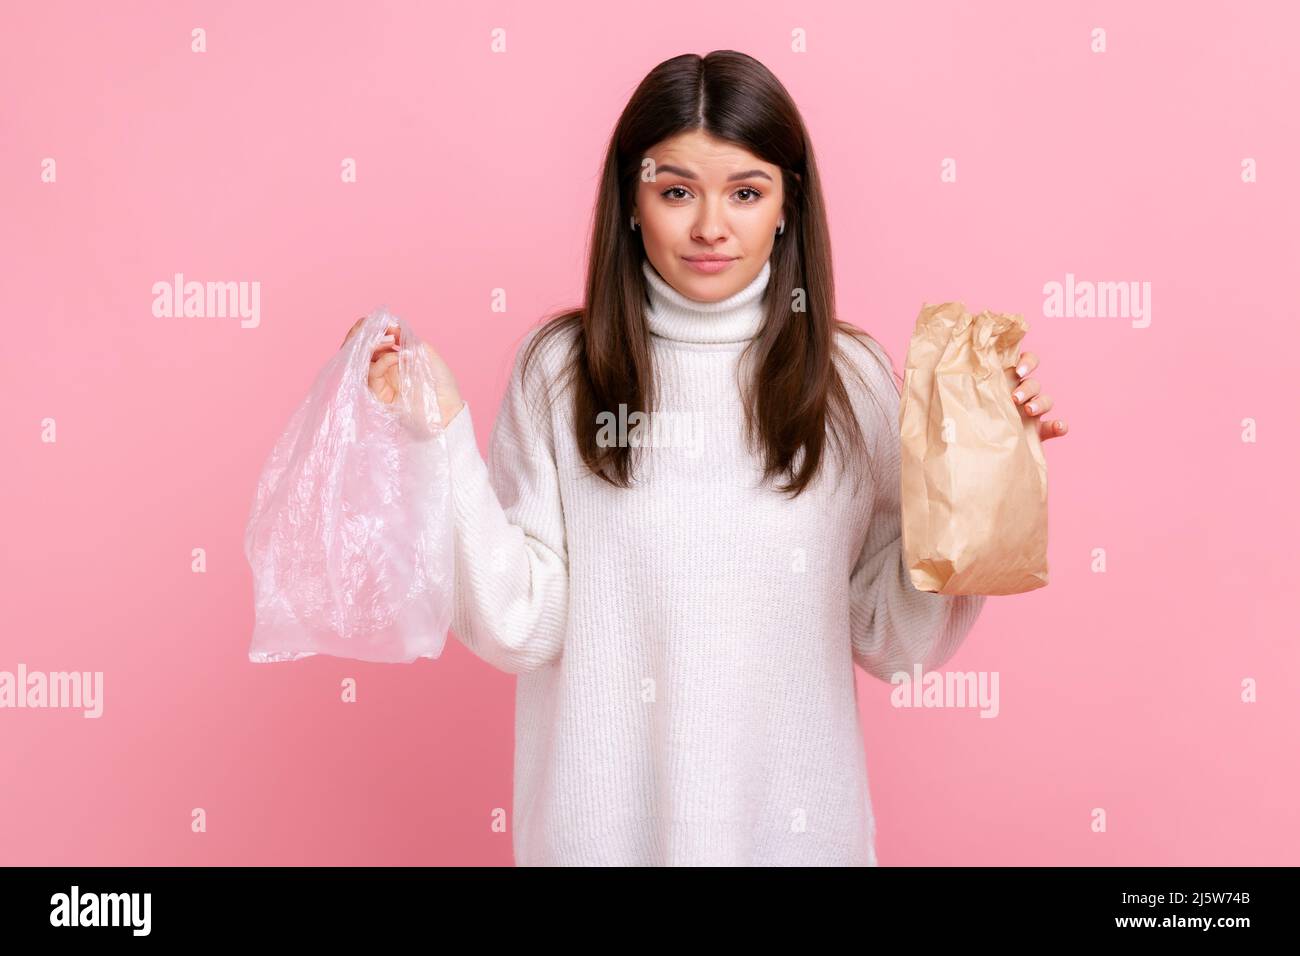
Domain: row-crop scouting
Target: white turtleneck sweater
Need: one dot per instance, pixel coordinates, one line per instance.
(685, 647)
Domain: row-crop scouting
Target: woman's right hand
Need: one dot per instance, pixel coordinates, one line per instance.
(383, 380)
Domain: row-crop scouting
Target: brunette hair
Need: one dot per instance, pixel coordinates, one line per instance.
(796, 389)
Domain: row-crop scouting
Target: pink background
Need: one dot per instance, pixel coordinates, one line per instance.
(478, 170)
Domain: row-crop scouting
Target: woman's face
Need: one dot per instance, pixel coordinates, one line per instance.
(708, 197)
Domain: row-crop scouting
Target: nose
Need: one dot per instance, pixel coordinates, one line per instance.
(711, 224)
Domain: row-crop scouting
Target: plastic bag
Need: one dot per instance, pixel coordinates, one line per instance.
(974, 478)
(350, 533)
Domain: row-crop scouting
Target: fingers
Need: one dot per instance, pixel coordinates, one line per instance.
(391, 341)
(355, 325)
(1028, 362)
(393, 330)
(1051, 429)
(1027, 393)
(1037, 406)
(1026, 390)
(382, 364)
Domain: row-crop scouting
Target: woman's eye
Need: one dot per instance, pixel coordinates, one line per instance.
(677, 192)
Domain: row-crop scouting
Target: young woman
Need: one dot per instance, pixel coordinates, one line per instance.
(683, 605)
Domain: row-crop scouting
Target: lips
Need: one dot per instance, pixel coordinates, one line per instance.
(709, 264)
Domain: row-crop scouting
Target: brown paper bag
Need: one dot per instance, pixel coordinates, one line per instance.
(974, 479)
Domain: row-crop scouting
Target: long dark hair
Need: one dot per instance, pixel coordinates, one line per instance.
(796, 388)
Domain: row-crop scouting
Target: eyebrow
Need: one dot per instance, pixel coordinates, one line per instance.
(687, 174)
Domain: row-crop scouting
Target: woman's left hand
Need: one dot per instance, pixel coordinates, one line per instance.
(1027, 393)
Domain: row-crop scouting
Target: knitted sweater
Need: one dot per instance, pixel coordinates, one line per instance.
(685, 647)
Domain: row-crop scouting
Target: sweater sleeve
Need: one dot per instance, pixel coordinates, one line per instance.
(511, 564)
(895, 626)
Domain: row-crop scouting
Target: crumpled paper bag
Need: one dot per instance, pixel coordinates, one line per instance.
(974, 479)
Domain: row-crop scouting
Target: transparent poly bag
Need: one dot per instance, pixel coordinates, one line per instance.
(350, 534)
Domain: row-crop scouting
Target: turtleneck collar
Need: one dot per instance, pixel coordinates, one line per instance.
(671, 315)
